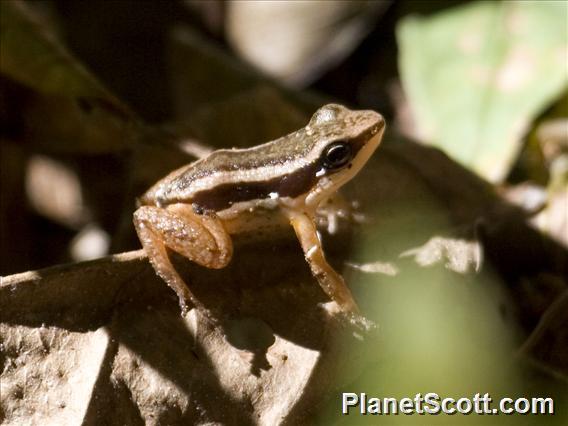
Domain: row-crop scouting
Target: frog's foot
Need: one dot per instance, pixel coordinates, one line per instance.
(353, 319)
(360, 322)
(187, 306)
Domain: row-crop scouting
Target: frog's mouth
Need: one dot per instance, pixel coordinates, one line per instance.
(373, 139)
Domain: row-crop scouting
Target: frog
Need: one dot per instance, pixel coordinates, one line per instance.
(199, 208)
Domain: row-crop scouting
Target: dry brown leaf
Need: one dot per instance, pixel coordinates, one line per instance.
(105, 340)
(108, 338)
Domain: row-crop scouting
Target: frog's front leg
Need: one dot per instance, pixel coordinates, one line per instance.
(331, 282)
(200, 238)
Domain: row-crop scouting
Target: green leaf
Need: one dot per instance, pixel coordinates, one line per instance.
(477, 75)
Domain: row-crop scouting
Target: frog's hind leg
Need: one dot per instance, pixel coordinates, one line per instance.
(200, 238)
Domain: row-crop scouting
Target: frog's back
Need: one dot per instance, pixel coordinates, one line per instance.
(250, 159)
(230, 170)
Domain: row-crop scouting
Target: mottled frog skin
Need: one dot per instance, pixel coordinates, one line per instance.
(196, 209)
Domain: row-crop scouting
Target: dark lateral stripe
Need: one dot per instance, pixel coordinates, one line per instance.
(291, 185)
(301, 181)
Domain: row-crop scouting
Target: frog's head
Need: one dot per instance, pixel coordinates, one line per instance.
(346, 139)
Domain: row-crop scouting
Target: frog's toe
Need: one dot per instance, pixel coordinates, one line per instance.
(331, 309)
(364, 324)
(355, 320)
(184, 307)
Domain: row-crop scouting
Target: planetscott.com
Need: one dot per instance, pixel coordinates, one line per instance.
(432, 403)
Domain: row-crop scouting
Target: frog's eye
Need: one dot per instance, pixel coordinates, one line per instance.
(337, 155)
